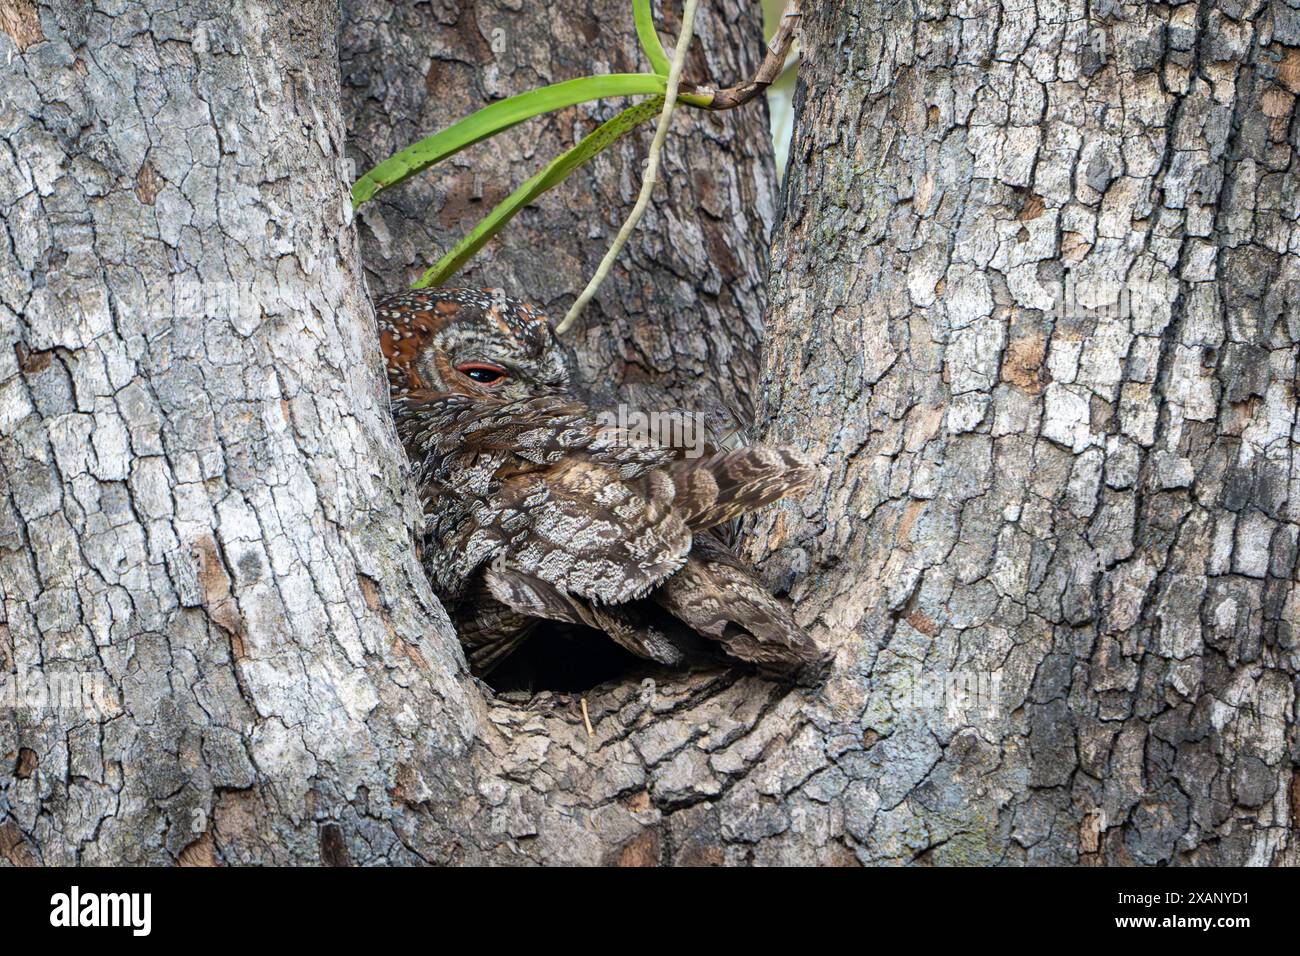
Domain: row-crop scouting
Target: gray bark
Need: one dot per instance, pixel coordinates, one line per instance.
(221, 644)
(1086, 520)
(1096, 515)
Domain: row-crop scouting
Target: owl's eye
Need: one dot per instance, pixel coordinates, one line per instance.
(482, 372)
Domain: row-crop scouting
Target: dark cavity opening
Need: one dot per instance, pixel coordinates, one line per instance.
(566, 659)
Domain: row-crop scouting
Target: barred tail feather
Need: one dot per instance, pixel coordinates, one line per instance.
(628, 624)
(714, 490)
(720, 598)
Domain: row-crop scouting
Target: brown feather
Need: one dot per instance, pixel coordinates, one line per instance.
(729, 484)
(720, 598)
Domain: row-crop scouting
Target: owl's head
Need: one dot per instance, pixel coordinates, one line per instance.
(468, 341)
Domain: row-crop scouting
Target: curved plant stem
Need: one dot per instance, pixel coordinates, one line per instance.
(774, 62)
(651, 170)
(650, 43)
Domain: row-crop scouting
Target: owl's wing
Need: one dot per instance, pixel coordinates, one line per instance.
(720, 598)
(569, 499)
(593, 534)
(489, 630)
(630, 625)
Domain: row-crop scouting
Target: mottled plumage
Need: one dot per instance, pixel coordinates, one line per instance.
(538, 509)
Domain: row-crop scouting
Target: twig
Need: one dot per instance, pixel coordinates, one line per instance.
(773, 65)
(587, 719)
(651, 169)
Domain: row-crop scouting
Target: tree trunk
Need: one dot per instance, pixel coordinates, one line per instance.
(1084, 519)
(1056, 553)
(218, 641)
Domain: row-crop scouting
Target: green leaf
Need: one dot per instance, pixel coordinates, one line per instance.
(649, 37)
(601, 138)
(496, 117)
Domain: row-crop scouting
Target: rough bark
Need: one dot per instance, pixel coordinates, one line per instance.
(221, 645)
(1096, 514)
(1089, 518)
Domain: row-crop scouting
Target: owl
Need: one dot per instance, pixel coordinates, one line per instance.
(539, 508)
